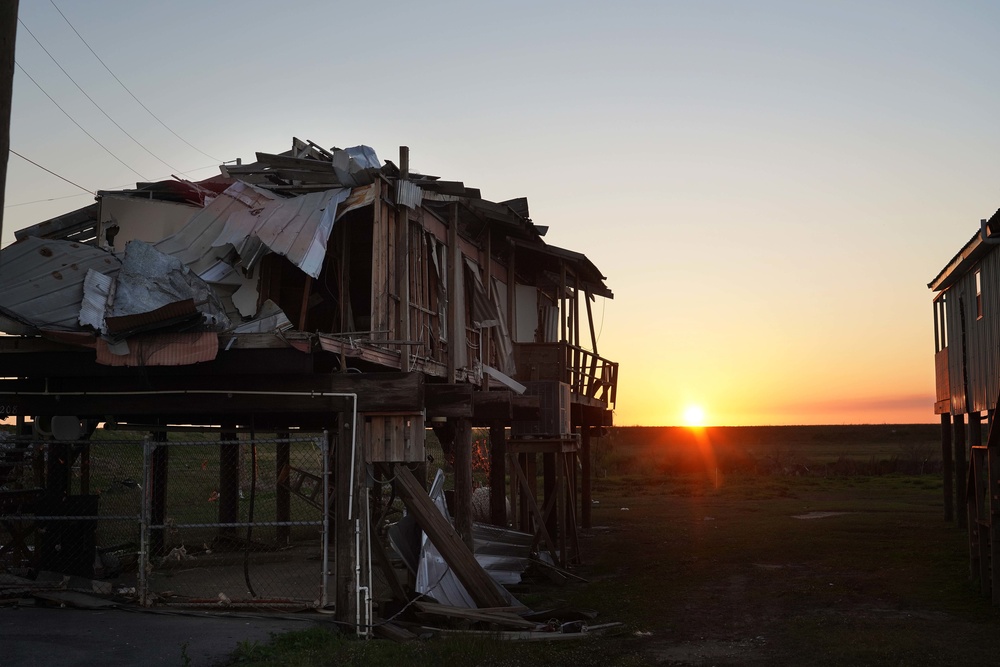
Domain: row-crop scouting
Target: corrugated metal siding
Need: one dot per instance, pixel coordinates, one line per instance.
(982, 338)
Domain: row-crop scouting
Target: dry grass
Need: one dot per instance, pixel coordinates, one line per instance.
(707, 570)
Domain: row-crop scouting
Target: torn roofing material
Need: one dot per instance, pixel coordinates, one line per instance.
(154, 289)
(245, 217)
(42, 281)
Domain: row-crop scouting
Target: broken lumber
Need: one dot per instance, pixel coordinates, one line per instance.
(454, 551)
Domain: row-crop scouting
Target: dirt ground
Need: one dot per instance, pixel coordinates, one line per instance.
(791, 570)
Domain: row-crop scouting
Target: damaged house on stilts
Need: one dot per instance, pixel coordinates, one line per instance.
(312, 316)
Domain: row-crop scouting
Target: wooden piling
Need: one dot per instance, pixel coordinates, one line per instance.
(947, 472)
(463, 479)
(961, 469)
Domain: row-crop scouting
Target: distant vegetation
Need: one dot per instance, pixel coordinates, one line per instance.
(770, 450)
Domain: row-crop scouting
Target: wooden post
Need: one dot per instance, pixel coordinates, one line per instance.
(304, 312)
(403, 267)
(57, 469)
(487, 334)
(85, 470)
(563, 306)
(456, 333)
(498, 459)
(8, 38)
(975, 429)
(463, 479)
(550, 491)
(993, 498)
(160, 462)
(961, 469)
(586, 498)
(345, 562)
(229, 479)
(512, 295)
(947, 473)
(282, 495)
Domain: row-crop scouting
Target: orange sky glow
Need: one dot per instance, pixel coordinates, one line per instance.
(767, 186)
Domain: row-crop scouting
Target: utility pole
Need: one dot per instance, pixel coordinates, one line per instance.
(8, 36)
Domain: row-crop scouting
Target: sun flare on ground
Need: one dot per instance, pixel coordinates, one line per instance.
(694, 415)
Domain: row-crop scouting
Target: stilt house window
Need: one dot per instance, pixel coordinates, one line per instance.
(979, 295)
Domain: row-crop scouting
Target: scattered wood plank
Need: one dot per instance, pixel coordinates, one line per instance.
(458, 556)
(396, 633)
(504, 618)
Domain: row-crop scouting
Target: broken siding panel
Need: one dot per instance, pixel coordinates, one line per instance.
(42, 281)
(170, 349)
(981, 340)
(149, 220)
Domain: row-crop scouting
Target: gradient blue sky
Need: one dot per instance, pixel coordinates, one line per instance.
(768, 186)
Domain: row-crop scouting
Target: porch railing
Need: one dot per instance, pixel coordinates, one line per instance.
(586, 373)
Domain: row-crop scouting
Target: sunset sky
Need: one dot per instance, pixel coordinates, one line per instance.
(768, 186)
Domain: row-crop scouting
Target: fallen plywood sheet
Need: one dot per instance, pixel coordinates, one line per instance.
(460, 560)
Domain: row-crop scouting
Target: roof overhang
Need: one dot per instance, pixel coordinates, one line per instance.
(978, 247)
(592, 280)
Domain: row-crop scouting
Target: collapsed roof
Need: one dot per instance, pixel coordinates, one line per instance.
(70, 276)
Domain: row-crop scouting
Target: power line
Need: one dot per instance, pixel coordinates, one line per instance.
(52, 172)
(92, 101)
(40, 201)
(155, 117)
(107, 150)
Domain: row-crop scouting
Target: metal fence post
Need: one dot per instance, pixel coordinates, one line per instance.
(144, 513)
(325, 576)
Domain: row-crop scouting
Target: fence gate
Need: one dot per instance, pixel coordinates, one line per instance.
(235, 522)
(180, 518)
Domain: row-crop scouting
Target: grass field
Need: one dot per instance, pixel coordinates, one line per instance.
(707, 564)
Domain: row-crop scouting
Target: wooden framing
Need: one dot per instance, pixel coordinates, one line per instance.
(380, 327)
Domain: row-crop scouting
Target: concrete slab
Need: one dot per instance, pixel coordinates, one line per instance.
(35, 636)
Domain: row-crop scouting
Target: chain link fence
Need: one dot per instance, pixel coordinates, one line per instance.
(191, 518)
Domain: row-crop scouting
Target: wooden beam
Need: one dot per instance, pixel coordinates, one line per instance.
(449, 400)
(489, 407)
(136, 393)
(459, 557)
(286, 162)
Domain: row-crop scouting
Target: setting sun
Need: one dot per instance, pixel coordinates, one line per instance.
(694, 415)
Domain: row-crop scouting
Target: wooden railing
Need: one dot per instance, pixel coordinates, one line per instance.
(586, 373)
